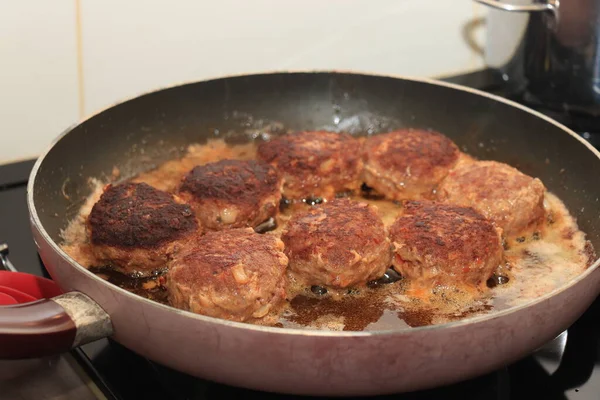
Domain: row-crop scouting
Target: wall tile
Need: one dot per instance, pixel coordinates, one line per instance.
(38, 83)
(135, 46)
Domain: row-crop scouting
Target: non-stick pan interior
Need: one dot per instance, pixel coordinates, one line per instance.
(142, 132)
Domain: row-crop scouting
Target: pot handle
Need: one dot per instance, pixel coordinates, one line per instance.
(48, 326)
(549, 5)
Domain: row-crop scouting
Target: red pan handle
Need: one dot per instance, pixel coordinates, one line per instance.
(52, 323)
(51, 326)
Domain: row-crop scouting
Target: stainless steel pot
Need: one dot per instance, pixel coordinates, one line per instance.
(547, 51)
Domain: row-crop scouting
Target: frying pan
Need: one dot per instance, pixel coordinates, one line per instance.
(142, 132)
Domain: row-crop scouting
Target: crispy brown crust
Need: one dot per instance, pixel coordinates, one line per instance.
(249, 190)
(338, 244)
(407, 163)
(315, 164)
(445, 243)
(138, 216)
(511, 199)
(236, 181)
(229, 274)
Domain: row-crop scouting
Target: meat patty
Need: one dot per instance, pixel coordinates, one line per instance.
(338, 244)
(438, 244)
(136, 228)
(232, 193)
(408, 163)
(233, 274)
(315, 164)
(511, 199)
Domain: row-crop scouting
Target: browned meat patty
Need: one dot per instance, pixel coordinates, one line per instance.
(408, 163)
(315, 164)
(437, 244)
(232, 193)
(341, 243)
(233, 274)
(137, 228)
(511, 199)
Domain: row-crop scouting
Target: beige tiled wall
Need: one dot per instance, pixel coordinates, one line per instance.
(63, 60)
(38, 75)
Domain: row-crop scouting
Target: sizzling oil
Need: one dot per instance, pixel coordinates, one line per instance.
(535, 265)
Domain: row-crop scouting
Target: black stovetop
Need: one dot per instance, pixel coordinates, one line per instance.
(566, 368)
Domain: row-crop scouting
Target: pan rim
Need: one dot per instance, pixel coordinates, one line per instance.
(37, 225)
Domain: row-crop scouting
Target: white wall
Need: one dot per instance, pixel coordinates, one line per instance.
(62, 60)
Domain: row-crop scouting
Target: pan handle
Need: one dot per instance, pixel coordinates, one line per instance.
(549, 5)
(51, 324)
